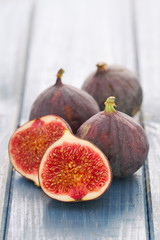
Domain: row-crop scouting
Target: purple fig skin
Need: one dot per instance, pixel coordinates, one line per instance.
(121, 139)
(115, 81)
(75, 106)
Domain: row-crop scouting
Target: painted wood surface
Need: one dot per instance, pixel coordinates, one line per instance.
(148, 37)
(76, 35)
(13, 35)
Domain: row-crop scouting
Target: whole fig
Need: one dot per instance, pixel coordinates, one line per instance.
(119, 136)
(115, 81)
(72, 104)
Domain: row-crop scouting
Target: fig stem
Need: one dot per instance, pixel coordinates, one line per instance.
(110, 104)
(101, 66)
(59, 75)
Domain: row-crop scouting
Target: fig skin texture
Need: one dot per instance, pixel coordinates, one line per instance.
(114, 80)
(72, 104)
(73, 169)
(30, 141)
(119, 136)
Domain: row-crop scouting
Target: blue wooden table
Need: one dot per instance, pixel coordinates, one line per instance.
(36, 39)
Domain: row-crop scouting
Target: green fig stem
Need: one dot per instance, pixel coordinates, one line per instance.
(110, 104)
(101, 66)
(59, 75)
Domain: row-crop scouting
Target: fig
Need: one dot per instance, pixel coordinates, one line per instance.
(73, 169)
(72, 104)
(29, 142)
(115, 81)
(119, 136)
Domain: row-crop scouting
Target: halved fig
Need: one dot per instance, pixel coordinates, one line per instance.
(73, 169)
(30, 141)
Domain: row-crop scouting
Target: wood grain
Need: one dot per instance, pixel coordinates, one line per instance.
(13, 34)
(76, 35)
(148, 19)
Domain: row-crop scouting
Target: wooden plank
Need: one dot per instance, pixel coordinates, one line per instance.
(14, 17)
(76, 35)
(148, 36)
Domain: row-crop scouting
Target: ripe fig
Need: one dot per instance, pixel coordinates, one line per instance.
(29, 142)
(73, 169)
(115, 81)
(119, 136)
(72, 104)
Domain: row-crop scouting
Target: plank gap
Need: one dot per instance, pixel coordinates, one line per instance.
(8, 192)
(145, 172)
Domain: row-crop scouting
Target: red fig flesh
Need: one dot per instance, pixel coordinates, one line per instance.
(119, 136)
(30, 141)
(115, 81)
(72, 104)
(73, 169)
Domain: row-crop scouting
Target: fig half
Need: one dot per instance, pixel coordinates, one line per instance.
(119, 136)
(114, 80)
(29, 142)
(73, 169)
(72, 104)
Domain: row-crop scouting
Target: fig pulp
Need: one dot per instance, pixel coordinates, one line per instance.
(30, 141)
(119, 136)
(72, 104)
(73, 169)
(115, 81)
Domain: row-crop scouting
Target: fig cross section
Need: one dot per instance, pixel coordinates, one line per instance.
(73, 169)
(31, 140)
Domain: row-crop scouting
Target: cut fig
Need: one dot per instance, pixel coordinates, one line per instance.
(30, 141)
(114, 80)
(119, 136)
(73, 169)
(72, 104)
